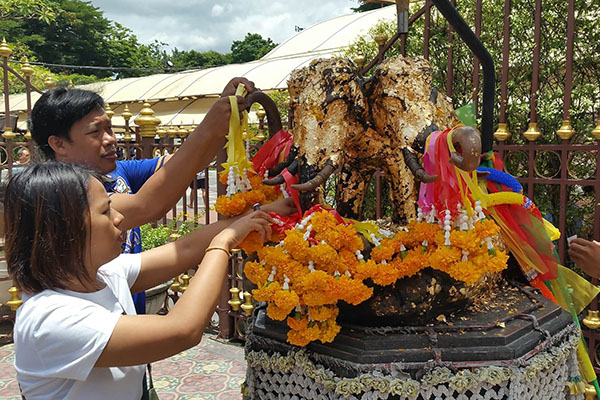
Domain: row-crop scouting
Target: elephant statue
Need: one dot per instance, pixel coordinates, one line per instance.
(354, 126)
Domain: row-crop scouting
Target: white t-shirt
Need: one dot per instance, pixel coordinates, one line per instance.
(59, 335)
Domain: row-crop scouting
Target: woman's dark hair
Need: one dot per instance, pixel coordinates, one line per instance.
(45, 211)
(56, 111)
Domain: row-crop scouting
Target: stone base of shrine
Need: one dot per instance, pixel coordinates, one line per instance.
(527, 352)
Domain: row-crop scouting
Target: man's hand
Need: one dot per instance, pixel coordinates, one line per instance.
(586, 255)
(231, 87)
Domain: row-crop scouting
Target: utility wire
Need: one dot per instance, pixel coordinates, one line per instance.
(114, 68)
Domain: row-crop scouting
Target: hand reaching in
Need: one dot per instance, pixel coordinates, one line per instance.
(586, 255)
(231, 236)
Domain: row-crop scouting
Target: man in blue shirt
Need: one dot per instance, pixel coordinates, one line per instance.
(129, 177)
(70, 125)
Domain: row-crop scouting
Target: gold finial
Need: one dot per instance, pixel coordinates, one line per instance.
(27, 135)
(5, 51)
(380, 39)
(49, 82)
(172, 131)
(566, 130)
(235, 301)
(15, 299)
(127, 136)
(108, 111)
(182, 132)
(185, 282)
(532, 133)
(147, 121)
(70, 85)
(8, 133)
(260, 136)
(592, 321)
(596, 131)
(161, 131)
(175, 286)
(247, 306)
(502, 132)
(126, 114)
(590, 392)
(359, 60)
(26, 68)
(261, 113)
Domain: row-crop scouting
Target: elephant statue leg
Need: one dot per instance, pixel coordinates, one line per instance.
(352, 187)
(404, 189)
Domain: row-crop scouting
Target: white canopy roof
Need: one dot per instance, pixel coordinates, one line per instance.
(184, 97)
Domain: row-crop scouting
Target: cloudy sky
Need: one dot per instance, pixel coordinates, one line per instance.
(213, 25)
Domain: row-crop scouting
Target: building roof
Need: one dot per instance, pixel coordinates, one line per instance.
(185, 96)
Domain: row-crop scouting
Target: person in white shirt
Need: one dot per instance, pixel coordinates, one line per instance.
(76, 335)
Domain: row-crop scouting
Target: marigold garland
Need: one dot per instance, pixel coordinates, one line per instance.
(241, 202)
(319, 262)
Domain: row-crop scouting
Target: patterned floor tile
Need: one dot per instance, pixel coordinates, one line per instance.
(213, 370)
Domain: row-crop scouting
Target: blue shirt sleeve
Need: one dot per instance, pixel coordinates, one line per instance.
(137, 172)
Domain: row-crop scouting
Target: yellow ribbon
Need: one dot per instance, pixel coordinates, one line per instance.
(236, 149)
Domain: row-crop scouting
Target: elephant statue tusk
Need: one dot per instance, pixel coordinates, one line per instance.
(318, 180)
(412, 161)
(278, 180)
(467, 142)
(276, 170)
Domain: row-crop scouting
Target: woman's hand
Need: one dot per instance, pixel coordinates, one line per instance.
(231, 236)
(586, 255)
(282, 207)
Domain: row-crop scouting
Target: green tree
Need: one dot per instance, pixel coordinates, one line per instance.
(253, 47)
(28, 9)
(196, 59)
(81, 36)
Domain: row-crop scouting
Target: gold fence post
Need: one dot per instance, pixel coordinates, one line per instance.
(147, 123)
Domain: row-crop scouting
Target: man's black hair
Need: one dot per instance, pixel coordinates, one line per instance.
(57, 111)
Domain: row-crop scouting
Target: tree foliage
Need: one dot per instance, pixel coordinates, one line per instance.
(253, 47)
(196, 59)
(80, 36)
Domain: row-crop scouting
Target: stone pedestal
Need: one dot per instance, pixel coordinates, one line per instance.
(516, 346)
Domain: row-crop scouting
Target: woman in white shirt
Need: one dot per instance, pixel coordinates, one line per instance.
(76, 334)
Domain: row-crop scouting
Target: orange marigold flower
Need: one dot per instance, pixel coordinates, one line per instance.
(383, 252)
(386, 274)
(353, 291)
(251, 243)
(324, 256)
(443, 257)
(276, 313)
(298, 322)
(366, 270)
(323, 313)
(230, 206)
(329, 330)
(286, 300)
(414, 262)
(266, 292)
(297, 338)
(296, 246)
(256, 273)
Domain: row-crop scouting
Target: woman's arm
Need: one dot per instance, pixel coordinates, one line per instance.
(163, 263)
(139, 339)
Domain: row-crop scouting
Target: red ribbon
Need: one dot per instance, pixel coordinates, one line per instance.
(272, 152)
(289, 181)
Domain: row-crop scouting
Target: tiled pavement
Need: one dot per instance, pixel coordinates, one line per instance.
(213, 370)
